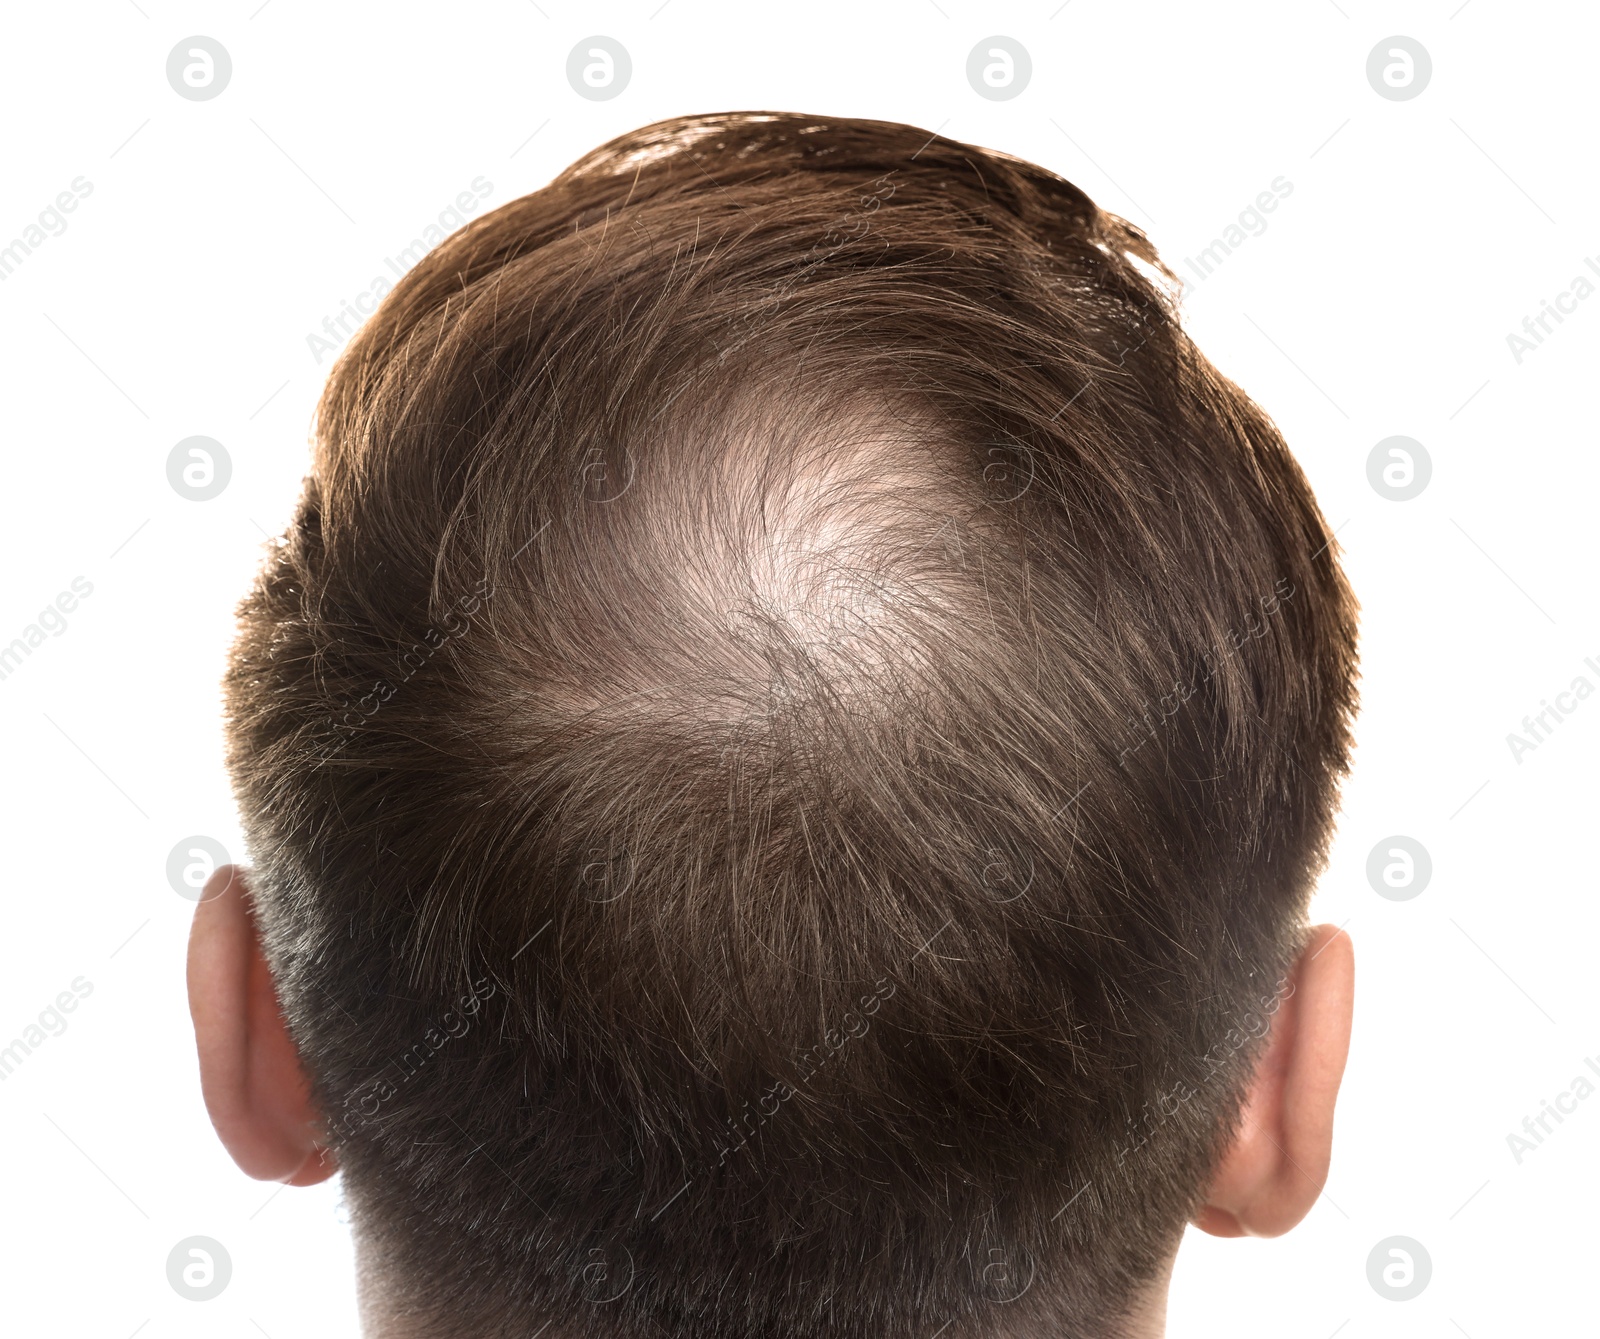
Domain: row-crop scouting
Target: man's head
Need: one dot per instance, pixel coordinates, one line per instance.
(785, 753)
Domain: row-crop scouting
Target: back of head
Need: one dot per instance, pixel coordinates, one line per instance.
(796, 715)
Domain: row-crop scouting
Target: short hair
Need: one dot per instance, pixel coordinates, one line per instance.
(786, 748)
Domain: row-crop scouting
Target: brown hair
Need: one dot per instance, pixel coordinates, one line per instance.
(786, 748)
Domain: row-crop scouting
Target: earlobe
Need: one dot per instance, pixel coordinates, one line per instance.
(255, 1089)
(1277, 1165)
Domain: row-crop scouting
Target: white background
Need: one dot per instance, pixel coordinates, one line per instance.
(219, 234)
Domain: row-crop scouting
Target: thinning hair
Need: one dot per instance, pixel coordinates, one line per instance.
(786, 748)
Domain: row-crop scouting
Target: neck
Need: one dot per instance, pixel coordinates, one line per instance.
(388, 1313)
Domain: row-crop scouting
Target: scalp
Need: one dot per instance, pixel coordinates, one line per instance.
(830, 505)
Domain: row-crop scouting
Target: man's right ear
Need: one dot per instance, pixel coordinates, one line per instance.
(1277, 1165)
(250, 1072)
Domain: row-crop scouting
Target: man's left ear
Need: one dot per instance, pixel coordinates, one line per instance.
(250, 1073)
